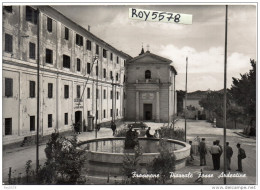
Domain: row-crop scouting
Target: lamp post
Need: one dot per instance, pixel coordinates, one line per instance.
(96, 101)
(38, 91)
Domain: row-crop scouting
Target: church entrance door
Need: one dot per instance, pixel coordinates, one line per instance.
(148, 112)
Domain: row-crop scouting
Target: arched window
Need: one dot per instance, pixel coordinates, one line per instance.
(147, 74)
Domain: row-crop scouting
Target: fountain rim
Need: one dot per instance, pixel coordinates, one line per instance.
(184, 144)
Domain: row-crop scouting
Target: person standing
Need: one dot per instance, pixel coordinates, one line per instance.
(203, 152)
(229, 153)
(191, 151)
(241, 155)
(219, 155)
(113, 127)
(215, 150)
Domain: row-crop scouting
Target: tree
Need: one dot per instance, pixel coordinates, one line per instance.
(243, 92)
(65, 161)
(164, 163)
(131, 163)
(213, 104)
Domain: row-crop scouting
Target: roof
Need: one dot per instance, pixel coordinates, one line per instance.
(148, 53)
(88, 33)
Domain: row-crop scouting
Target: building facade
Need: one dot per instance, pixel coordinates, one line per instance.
(76, 67)
(150, 88)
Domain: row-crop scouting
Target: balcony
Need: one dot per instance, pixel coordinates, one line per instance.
(148, 81)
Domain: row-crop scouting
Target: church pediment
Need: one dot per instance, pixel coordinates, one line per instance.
(149, 58)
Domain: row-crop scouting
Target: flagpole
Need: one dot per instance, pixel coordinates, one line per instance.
(225, 96)
(186, 99)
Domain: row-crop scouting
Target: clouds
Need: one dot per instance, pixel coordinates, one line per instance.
(202, 42)
(205, 68)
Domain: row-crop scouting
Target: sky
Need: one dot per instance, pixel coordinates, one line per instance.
(202, 41)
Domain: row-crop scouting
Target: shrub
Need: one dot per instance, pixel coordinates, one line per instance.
(64, 161)
(171, 133)
(164, 163)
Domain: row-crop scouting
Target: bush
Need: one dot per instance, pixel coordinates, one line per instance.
(164, 163)
(64, 161)
(171, 133)
(121, 133)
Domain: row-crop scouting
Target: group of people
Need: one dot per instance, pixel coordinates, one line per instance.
(216, 151)
(148, 135)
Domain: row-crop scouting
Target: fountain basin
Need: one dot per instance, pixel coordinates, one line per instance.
(106, 155)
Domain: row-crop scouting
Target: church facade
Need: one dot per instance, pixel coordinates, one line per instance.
(150, 88)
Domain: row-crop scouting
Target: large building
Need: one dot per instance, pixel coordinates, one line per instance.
(73, 62)
(150, 88)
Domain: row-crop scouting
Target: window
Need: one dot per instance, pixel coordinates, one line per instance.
(66, 91)
(104, 73)
(8, 43)
(117, 95)
(31, 15)
(89, 45)
(104, 53)
(147, 74)
(97, 49)
(49, 120)
(116, 112)
(111, 94)
(8, 9)
(66, 61)
(49, 24)
(32, 50)
(124, 95)
(78, 64)
(50, 90)
(88, 68)
(49, 56)
(124, 63)
(32, 123)
(117, 77)
(8, 87)
(78, 91)
(104, 113)
(88, 93)
(32, 89)
(79, 40)
(97, 92)
(117, 59)
(111, 113)
(111, 75)
(111, 56)
(96, 70)
(124, 78)
(88, 113)
(66, 119)
(97, 114)
(104, 94)
(8, 126)
(66, 36)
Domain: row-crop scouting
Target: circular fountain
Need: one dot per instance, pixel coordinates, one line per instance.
(106, 155)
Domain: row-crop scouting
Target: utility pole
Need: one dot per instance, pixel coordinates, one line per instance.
(38, 91)
(113, 99)
(96, 101)
(225, 96)
(185, 110)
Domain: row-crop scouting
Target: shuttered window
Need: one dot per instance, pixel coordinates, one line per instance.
(8, 87)
(8, 43)
(32, 89)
